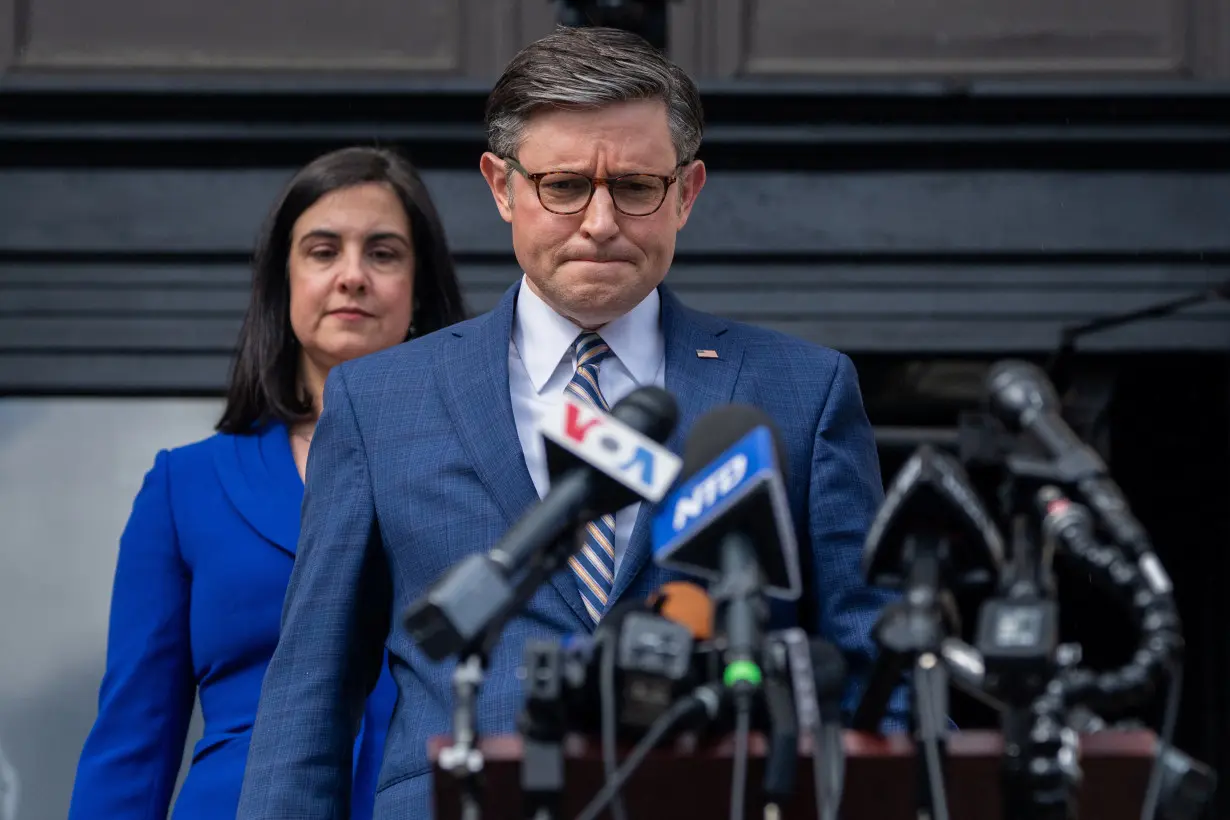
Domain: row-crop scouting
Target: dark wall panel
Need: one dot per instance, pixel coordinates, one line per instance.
(899, 223)
(55, 316)
(710, 38)
(415, 38)
(100, 373)
(407, 35)
(798, 37)
(1210, 34)
(8, 33)
(739, 212)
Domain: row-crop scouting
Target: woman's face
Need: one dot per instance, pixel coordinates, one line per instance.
(351, 274)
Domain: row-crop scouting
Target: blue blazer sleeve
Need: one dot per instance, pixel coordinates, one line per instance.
(133, 753)
(334, 624)
(846, 492)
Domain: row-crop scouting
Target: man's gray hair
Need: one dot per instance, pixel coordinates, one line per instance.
(587, 68)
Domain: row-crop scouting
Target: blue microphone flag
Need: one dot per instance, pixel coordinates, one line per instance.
(741, 489)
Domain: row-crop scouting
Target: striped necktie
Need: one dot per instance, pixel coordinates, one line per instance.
(594, 564)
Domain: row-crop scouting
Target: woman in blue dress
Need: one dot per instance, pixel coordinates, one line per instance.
(353, 259)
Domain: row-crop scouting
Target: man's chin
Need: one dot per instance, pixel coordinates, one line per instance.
(593, 304)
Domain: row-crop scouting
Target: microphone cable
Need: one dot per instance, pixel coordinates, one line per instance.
(816, 673)
(828, 676)
(705, 699)
(1170, 718)
(606, 693)
(931, 747)
(738, 783)
(828, 774)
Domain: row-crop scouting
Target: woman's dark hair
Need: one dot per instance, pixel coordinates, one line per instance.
(264, 379)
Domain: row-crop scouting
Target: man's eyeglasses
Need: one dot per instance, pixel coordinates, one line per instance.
(565, 192)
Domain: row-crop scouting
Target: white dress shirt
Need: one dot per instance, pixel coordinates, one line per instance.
(541, 362)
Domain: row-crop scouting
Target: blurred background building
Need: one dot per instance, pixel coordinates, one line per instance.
(926, 186)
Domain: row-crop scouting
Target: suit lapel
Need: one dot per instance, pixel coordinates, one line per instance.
(474, 382)
(259, 477)
(698, 384)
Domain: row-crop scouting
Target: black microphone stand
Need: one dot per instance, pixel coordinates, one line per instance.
(1018, 639)
(543, 727)
(463, 758)
(1039, 682)
(740, 613)
(910, 633)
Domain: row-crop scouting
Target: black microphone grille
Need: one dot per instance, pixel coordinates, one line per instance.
(720, 429)
(1014, 386)
(612, 622)
(649, 410)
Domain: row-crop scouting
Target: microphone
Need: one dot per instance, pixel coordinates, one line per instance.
(932, 494)
(598, 464)
(603, 463)
(931, 531)
(654, 652)
(655, 656)
(1024, 400)
(622, 679)
(685, 603)
(815, 672)
(734, 471)
(730, 522)
(730, 519)
(652, 663)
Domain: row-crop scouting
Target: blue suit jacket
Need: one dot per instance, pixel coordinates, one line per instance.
(416, 464)
(202, 572)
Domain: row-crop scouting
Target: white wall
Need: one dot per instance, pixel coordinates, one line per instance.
(69, 470)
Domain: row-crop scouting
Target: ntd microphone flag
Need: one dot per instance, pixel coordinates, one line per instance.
(576, 431)
(739, 491)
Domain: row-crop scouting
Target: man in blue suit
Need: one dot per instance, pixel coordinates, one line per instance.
(428, 452)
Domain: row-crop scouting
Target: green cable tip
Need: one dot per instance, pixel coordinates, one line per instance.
(742, 672)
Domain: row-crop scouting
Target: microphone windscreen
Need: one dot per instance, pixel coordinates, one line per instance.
(720, 429)
(1014, 386)
(687, 604)
(649, 410)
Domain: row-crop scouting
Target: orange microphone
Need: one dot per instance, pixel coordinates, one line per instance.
(687, 604)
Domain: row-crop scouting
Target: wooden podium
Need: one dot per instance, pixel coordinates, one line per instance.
(681, 781)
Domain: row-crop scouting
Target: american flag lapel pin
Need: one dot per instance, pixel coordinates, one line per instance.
(706, 354)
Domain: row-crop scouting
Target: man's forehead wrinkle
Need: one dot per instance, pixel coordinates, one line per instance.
(578, 153)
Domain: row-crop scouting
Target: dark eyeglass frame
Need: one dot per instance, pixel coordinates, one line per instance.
(594, 182)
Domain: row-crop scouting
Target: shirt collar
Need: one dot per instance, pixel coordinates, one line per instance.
(543, 338)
